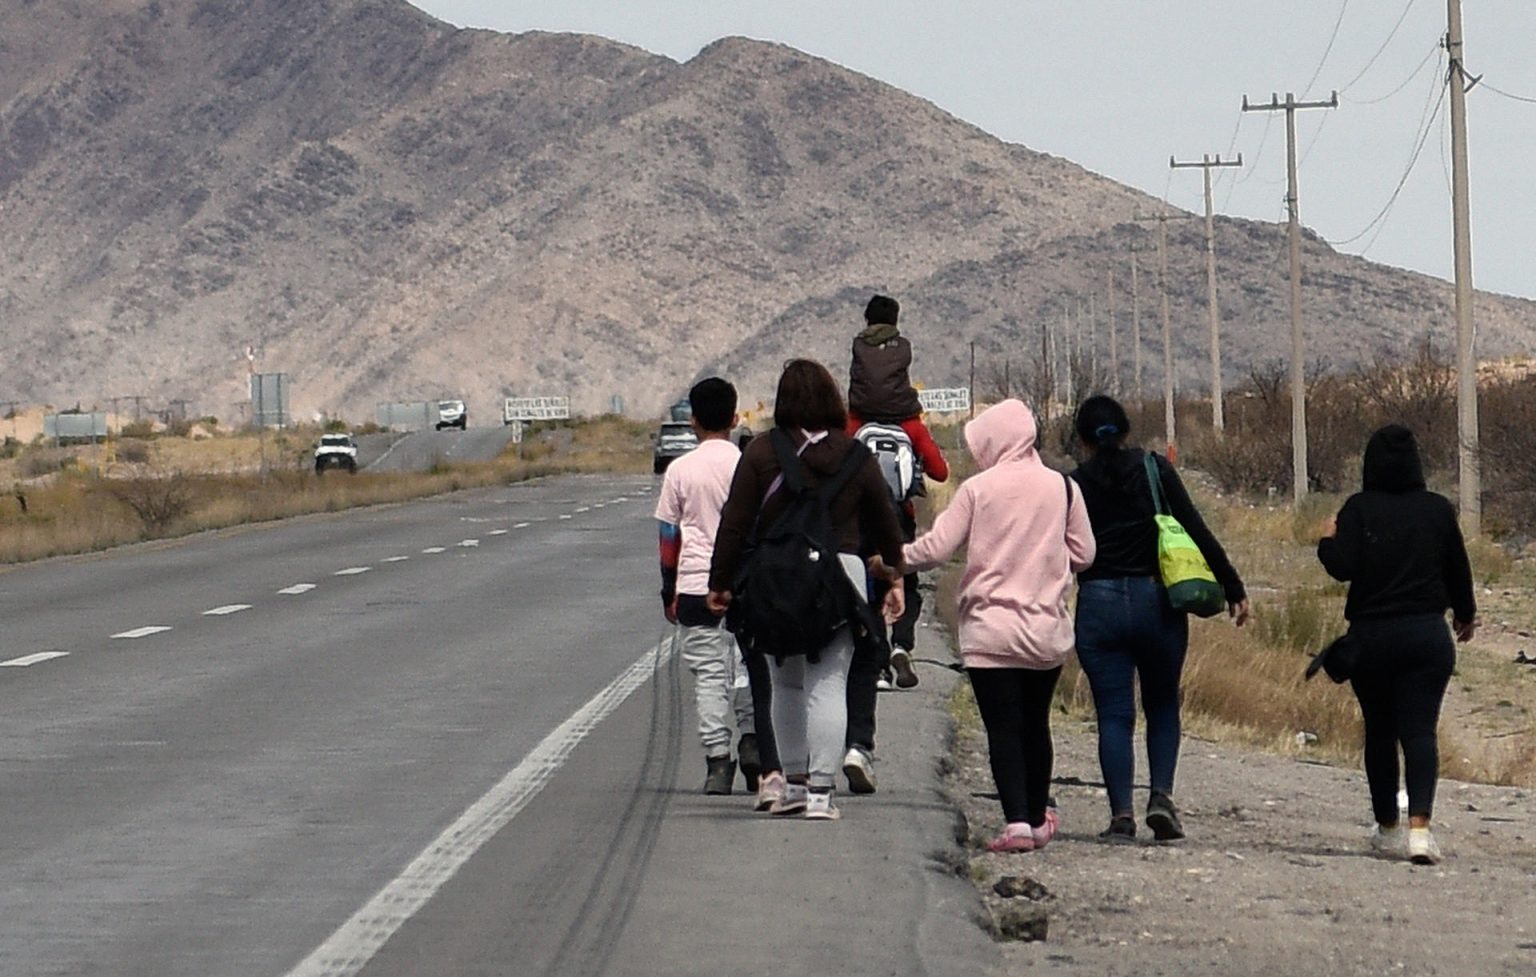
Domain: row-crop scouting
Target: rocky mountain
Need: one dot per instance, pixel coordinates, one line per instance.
(385, 206)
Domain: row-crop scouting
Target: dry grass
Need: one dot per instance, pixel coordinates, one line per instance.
(80, 511)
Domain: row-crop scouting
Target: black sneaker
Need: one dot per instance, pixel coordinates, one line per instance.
(747, 757)
(722, 771)
(1163, 818)
(1121, 829)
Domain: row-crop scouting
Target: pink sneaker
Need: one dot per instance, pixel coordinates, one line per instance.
(770, 790)
(1043, 834)
(1016, 837)
(792, 801)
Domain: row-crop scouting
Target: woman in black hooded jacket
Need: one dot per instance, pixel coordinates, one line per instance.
(1400, 548)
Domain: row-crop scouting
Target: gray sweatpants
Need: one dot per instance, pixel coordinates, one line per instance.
(720, 686)
(810, 702)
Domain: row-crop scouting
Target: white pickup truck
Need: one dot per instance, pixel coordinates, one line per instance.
(452, 413)
(336, 451)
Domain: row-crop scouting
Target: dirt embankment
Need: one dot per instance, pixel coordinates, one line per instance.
(1276, 876)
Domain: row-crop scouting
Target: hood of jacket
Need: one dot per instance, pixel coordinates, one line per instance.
(1002, 432)
(1392, 461)
(879, 333)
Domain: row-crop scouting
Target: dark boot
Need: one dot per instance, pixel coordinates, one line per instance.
(722, 771)
(1163, 818)
(751, 764)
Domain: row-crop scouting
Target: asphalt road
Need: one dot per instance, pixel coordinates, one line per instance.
(420, 450)
(433, 739)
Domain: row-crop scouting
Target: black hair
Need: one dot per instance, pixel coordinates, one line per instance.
(1102, 422)
(714, 404)
(808, 399)
(882, 309)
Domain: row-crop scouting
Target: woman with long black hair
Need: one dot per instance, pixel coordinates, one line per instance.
(1399, 547)
(1126, 627)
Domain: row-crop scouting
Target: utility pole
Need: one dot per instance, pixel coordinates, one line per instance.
(1114, 340)
(1162, 219)
(1218, 421)
(1093, 342)
(1066, 342)
(1136, 325)
(1298, 335)
(973, 379)
(1468, 454)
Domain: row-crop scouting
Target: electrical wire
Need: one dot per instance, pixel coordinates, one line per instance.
(1377, 223)
(1381, 50)
(1316, 133)
(1436, 49)
(1510, 95)
(1343, 8)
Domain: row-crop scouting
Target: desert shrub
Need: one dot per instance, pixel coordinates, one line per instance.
(158, 501)
(133, 452)
(336, 426)
(137, 429)
(1507, 429)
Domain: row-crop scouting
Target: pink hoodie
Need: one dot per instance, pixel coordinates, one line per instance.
(1023, 543)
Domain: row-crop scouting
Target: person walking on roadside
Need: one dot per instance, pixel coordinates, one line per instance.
(1399, 547)
(1026, 532)
(1126, 628)
(688, 515)
(809, 688)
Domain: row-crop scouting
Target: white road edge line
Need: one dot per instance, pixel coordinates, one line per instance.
(351, 571)
(350, 948)
(226, 609)
(26, 660)
(141, 632)
(298, 588)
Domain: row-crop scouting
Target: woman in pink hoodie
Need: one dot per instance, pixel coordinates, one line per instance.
(1026, 533)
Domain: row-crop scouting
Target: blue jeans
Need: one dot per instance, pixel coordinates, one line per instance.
(1125, 630)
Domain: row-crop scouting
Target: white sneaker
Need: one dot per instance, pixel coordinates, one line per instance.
(859, 768)
(792, 801)
(883, 683)
(819, 807)
(1422, 849)
(901, 664)
(1387, 839)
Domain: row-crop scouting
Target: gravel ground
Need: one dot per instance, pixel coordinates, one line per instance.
(1275, 877)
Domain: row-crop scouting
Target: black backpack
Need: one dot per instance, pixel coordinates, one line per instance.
(792, 594)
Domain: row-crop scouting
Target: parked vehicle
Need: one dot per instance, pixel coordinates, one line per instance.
(675, 439)
(336, 451)
(452, 413)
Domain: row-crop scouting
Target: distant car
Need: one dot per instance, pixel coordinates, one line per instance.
(675, 439)
(452, 413)
(336, 451)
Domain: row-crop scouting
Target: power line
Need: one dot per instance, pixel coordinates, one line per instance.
(1510, 95)
(1343, 8)
(1422, 136)
(1436, 49)
(1381, 50)
(1316, 133)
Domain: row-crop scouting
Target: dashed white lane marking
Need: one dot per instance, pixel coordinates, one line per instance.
(585, 508)
(26, 660)
(469, 542)
(226, 609)
(350, 948)
(298, 588)
(522, 525)
(565, 515)
(396, 559)
(498, 532)
(622, 498)
(599, 505)
(435, 549)
(141, 632)
(351, 571)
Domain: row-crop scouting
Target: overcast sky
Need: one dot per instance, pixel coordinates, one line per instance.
(1119, 85)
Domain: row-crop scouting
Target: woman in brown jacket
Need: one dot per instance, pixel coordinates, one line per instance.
(810, 709)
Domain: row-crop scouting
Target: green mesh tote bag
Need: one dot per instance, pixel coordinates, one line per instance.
(1191, 585)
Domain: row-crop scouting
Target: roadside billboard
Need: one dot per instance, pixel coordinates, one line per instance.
(535, 409)
(411, 415)
(269, 400)
(945, 400)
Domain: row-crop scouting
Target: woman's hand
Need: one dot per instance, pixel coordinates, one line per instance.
(1464, 630)
(1239, 612)
(895, 604)
(718, 602)
(877, 568)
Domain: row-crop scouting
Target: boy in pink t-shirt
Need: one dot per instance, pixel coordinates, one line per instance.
(688, 510)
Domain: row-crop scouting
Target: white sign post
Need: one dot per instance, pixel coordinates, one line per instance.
(517, 432)
(945, 400)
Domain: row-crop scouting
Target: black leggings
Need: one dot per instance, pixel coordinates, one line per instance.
(1405, 665)
(1015, 706)
(762, 711)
